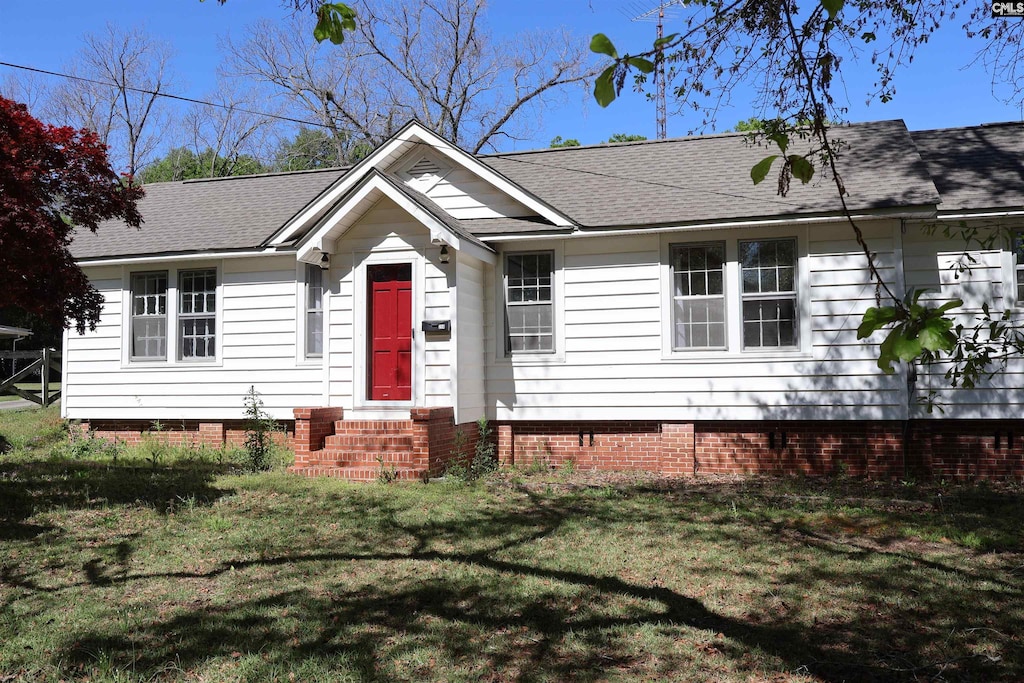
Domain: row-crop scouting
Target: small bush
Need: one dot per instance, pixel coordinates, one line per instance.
(259, 432)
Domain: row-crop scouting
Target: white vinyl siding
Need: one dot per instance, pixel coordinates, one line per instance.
(618, 360)
(256, 319)
(148, 337)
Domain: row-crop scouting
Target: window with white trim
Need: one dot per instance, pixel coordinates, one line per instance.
(197, 314)
(698, 296)
(149, 316)
(314, 306)
(768, 276)
(733, 295)
(529, 302)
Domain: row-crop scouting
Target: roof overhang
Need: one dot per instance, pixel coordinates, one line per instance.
(323, 238)
(8, 332)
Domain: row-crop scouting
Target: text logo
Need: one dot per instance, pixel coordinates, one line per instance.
(1008, 9)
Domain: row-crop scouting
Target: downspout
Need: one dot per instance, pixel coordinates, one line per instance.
(911, 393)
(909, 369)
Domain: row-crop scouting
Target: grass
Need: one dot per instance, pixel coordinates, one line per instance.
(122, 570)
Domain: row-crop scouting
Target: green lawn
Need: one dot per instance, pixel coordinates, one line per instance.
(126, 568)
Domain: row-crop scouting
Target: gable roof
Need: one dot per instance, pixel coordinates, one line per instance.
(215, 214)
(707, 178)
(980, 167)
(677, 182)
(370, 188)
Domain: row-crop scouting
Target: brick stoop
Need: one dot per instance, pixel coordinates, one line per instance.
(327, 445)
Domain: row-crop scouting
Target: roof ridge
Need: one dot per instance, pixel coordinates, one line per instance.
(976, 126)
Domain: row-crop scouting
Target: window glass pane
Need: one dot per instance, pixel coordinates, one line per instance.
(314, 333)
(699, 310)
(750, 281)
(699, 323)
(769, 323)
(197, 298)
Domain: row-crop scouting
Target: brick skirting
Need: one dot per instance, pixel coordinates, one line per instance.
(214, 434)
(955, 449)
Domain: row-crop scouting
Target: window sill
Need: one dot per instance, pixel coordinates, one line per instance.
(735, 356)
(526, 361)
(167, 366)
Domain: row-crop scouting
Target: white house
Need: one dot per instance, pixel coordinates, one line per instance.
(635, 305)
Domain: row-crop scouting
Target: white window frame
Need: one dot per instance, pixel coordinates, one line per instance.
(183, 317)
(1016, 270)
(733, 295)
(172, 358)
(132, 316)
(724, 296)
(771, 295)
(307, 310)
(508, 303)
(558, 313)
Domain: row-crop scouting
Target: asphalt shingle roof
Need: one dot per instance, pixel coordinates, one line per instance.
(980, 167)
(207, 215)
(707, 178)
(663, 182)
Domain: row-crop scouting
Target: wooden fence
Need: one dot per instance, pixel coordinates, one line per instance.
(44, 363)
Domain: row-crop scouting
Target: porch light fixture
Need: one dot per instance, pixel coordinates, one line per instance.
(445, 256)
(325, 261)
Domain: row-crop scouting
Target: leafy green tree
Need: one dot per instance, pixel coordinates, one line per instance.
(557, 141)
(182, 163)
(626, 137)
(318, 148)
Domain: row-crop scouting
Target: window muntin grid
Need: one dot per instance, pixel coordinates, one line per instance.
(529, 304)
(698, 294)
(149, 316)
(197, 314)
(314, 311)
(768, 285)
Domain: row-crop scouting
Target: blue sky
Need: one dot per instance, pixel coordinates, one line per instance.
(934, 92)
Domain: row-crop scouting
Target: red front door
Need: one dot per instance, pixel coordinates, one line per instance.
(390, 321)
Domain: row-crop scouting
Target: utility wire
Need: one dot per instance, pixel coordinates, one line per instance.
(163, 94)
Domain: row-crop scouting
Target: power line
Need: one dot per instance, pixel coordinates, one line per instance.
(156, 93)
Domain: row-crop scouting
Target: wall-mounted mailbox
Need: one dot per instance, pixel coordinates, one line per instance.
(437, 326)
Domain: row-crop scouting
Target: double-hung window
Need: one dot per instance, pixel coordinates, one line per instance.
(734, 295)
(197, 314)
(768, 274)
(698, 296)
(149, 316)
(314, 302)
(529, 302)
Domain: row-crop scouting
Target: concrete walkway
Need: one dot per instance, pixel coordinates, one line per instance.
(17, 404)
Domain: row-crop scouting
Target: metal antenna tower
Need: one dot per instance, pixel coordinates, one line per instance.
(637, 12)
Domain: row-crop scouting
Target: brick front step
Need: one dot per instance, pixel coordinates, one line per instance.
(348, 458)
(369, 443)
(359, 473)
(373, 427)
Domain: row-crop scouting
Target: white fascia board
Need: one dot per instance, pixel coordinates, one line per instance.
(207, 256)
(721, 225)
(411, 135)
(322, 241)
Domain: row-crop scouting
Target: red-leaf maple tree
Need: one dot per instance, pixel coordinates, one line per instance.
(53, 181)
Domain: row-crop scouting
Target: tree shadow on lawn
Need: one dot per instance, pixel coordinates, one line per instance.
(415, 611)
(27, 489)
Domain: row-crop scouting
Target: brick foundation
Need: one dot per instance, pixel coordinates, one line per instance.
(952, 449)
(429, 441)
(189, 433)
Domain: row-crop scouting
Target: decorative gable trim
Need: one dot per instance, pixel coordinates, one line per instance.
(423, 172)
